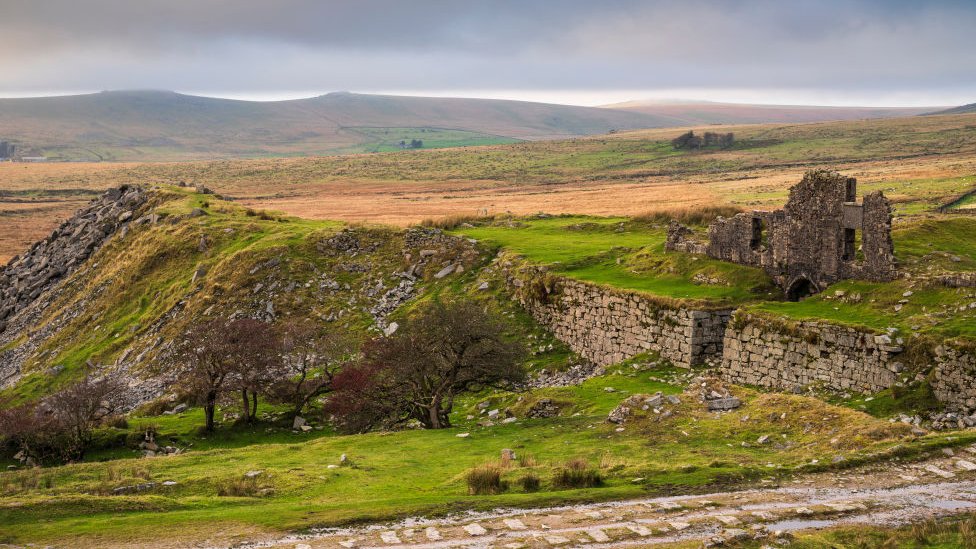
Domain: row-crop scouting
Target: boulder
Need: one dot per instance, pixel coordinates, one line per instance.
(722, 404)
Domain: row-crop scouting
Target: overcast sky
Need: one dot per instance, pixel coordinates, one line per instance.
(844, 52)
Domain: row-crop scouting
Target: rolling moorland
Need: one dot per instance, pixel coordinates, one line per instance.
(920, 163)
(616, 194)
(159, 125)
(692, 114)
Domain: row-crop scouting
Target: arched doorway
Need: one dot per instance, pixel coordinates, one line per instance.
(800, 288)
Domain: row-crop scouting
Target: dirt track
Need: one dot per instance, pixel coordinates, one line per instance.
(880, 495)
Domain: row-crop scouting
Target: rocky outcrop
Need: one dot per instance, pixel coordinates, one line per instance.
(27, 276)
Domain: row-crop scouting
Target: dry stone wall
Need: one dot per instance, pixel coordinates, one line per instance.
(757, 352)
(954, 379)
(607, 325)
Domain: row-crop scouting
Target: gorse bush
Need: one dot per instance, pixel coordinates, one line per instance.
(577, 473)
(485, 480)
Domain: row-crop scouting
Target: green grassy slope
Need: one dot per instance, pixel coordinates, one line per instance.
(116, 301)
(146, 288)
(626, 254)
(298, 490)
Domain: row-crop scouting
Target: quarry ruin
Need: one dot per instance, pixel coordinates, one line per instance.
(809, 244)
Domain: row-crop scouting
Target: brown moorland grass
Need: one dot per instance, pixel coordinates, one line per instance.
(917, 161)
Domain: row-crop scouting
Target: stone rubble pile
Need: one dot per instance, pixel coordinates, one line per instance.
(716, 396)
(657, 404)
(27, 276)
(544, 408)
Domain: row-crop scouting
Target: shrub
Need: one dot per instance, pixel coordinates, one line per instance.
(530, 483)
(485, 480)
(693, 215)
(117, 422)
(243, 487)
(527, 460)
(577, 473)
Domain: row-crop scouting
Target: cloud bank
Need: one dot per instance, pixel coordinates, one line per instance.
(842, 51)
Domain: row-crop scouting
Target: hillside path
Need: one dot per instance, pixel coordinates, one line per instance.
(884, 494)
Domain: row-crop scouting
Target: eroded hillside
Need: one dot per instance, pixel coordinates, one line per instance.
(182, 257)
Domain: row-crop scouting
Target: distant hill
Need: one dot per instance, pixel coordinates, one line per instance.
(160, 125)
(964, 109)
(698, 113)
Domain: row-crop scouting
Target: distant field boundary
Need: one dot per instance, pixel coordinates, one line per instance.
(952, 205)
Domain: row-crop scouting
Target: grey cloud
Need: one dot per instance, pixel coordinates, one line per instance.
(239, 45)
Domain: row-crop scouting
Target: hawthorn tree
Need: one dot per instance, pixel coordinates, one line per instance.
(205, 366)
(417, 372)
(252, 350)
(60, 426)
(309, 362)
(81, 407)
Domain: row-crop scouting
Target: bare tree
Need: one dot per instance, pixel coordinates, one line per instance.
(417, 372)
(205, 365)
(29, 431)
(60, 426)
(81, 407)
(253, 353)
(310, 360)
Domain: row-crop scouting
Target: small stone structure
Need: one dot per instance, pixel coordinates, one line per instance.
(810, 243)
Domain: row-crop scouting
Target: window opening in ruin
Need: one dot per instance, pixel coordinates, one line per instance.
(850, 242)
(800, 289)
(757, 233)
(851, 191)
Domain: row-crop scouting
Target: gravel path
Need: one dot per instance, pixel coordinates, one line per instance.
(882, 495)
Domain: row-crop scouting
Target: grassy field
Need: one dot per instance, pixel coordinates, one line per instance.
(388, 139)
(297, 488)
(624, 253)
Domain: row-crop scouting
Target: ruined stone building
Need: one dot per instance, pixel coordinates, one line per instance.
(809, 244)
(7, 149)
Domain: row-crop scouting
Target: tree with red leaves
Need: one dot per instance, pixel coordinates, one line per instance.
(417, 372)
